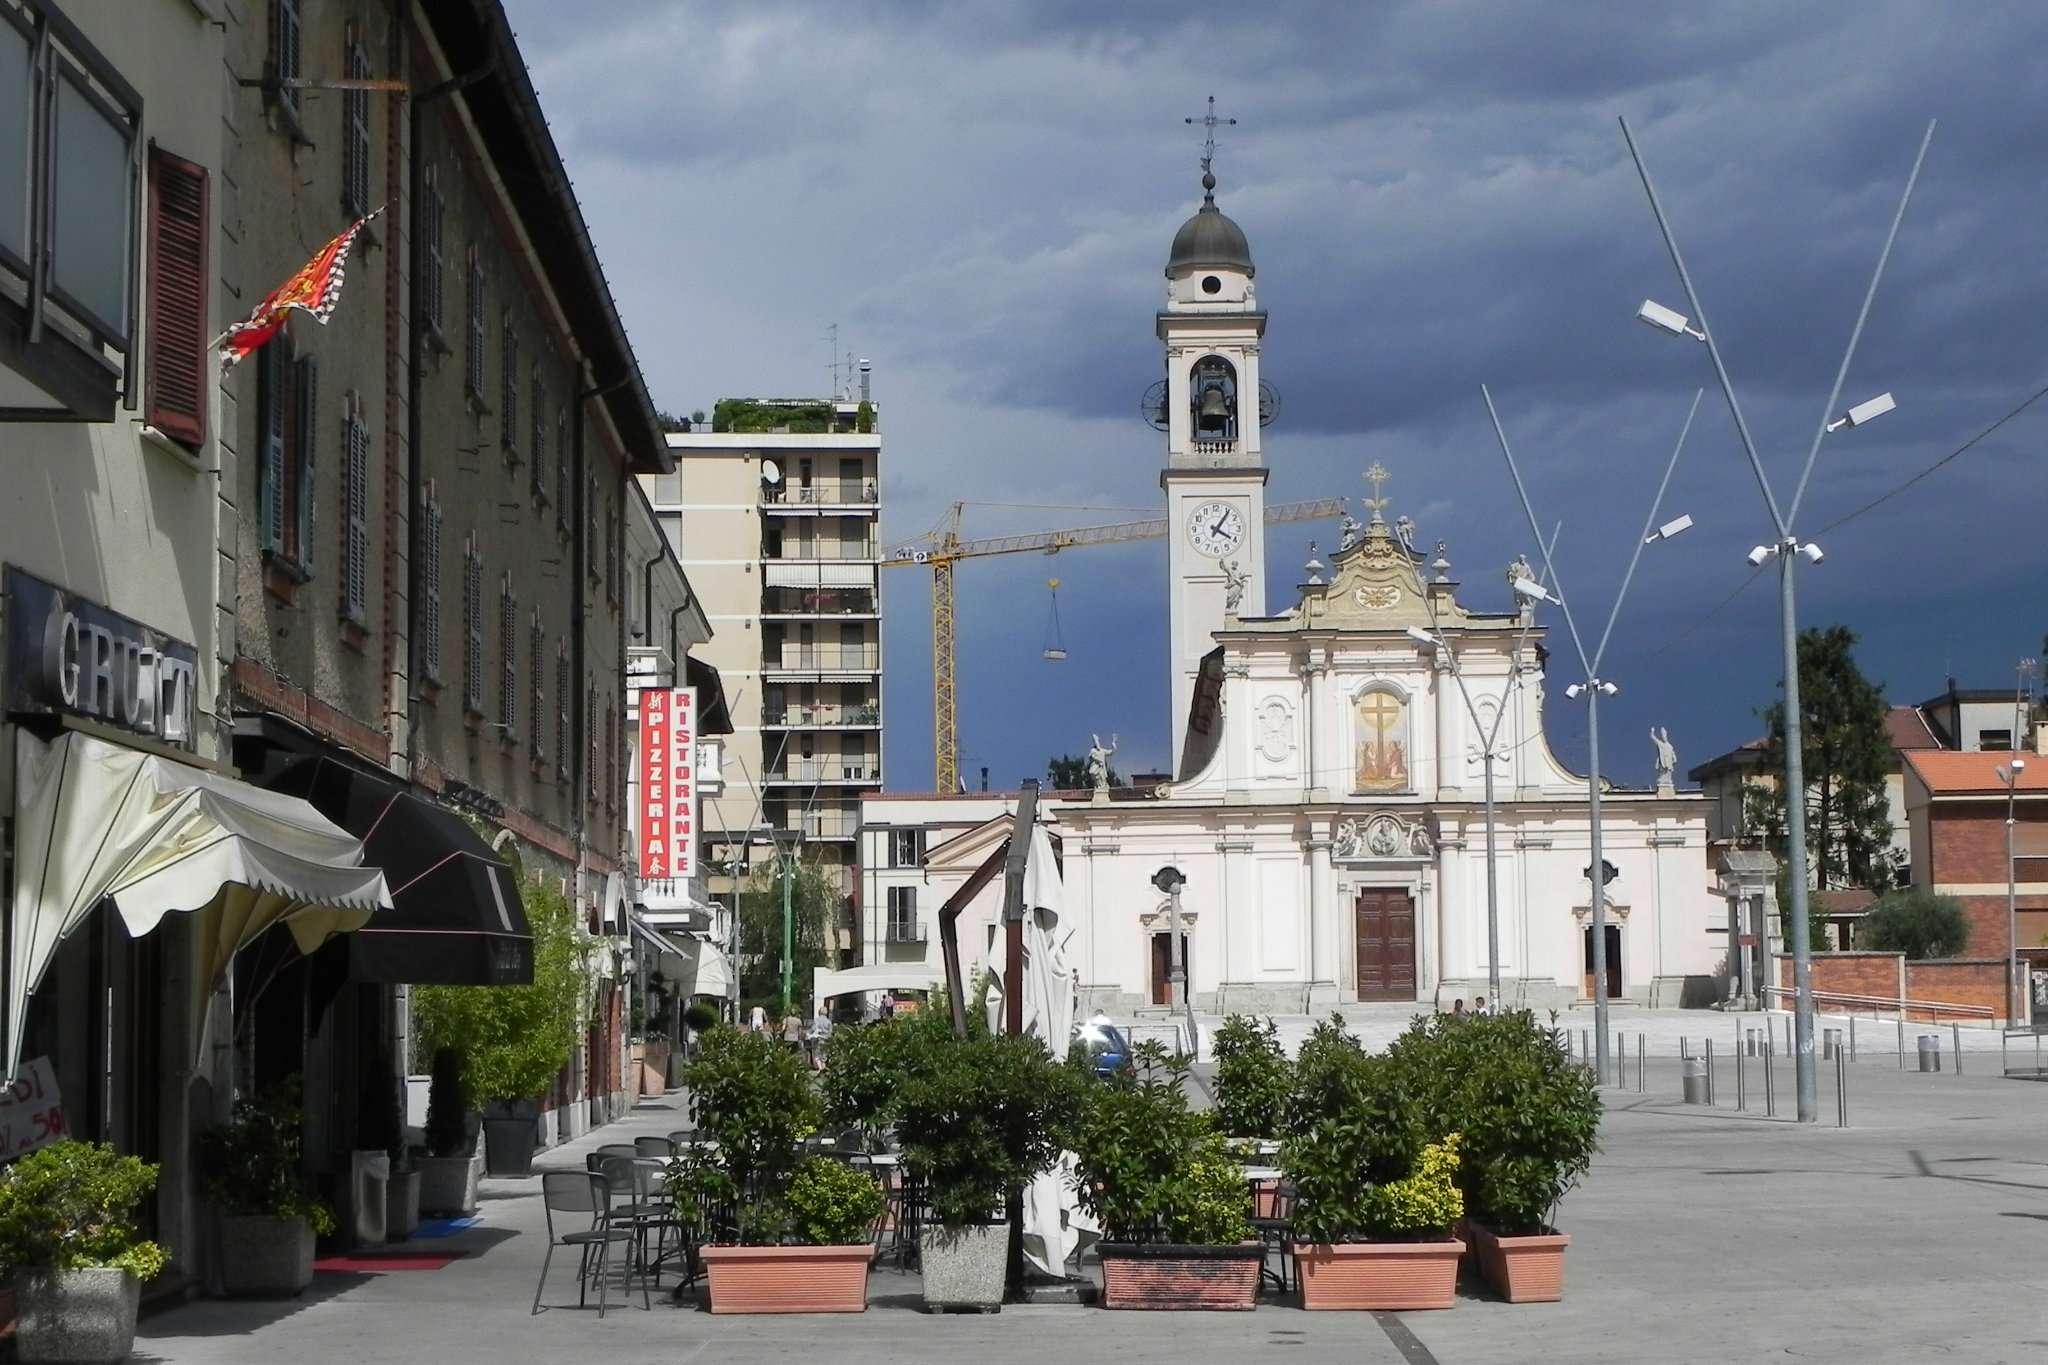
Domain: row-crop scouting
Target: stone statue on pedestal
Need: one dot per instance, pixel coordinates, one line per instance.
(1667, 761)
(1098, 763)
(1235, 581)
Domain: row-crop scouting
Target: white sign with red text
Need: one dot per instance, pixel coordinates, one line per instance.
(668, 783)
(31, 1110)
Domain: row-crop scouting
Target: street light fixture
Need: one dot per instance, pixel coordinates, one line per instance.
(1670, 529)
(1669, 320)
(1783, 520)
(1864, 411)
(1594, 687)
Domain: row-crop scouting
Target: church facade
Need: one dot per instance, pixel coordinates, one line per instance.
(1328, 808)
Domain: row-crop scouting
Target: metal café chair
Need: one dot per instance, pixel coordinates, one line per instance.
(661, 1147)
(642, 1204)
(1276, 1231)
(570, 1192)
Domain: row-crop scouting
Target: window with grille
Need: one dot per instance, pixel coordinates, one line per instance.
(594, 552)
(285, 30)
(508, 387)
(563, 473)
(614, 548)
(175, 361)
(429, 626)
(906, 848)
(355, 506)
(536, 648)
(287, 418)
(355, 121)
(590, 748)
(562, 712)
(539, 454)
(472, 628)
(508, 661)
(434, 213)
(611, 757)
(473, 372)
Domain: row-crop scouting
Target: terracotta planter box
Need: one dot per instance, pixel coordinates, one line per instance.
(1521, 1269)
(1387, 1276)
(788, 1279)
(1166, 1276)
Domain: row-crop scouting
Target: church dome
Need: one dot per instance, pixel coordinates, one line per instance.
(1210, 240)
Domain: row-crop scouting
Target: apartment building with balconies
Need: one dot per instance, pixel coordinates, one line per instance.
(773, 513)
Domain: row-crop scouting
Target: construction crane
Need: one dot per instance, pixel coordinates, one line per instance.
(942, 548)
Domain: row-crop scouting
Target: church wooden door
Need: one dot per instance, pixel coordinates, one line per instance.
(1162, 967)
(1386, 944)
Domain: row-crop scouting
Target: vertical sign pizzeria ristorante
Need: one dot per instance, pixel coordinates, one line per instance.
(69, 655)
(668, 783)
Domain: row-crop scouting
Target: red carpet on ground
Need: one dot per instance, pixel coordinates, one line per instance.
(378, 1262)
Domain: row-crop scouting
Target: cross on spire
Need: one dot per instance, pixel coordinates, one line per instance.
(1209, 123)
(1376, 476)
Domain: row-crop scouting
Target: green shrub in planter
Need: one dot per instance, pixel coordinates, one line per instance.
(1253, 1077)
(1528, 1117)
(1149, 1168)
(753, 1097)
(447, 1130)
(831, 1204)
(71, 1206)
(980, 1116)
(699, 1017)
(866, 1066)
(250, 1164)
(1355, 1122)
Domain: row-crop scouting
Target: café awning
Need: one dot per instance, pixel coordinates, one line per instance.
(875, 976)
(456, 916)
(97, 822)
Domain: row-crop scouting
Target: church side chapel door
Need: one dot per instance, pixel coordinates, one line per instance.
(1162, 967)
(1613, 961)
(1386, 944)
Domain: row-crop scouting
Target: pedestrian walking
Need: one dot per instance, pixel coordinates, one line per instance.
(793, 1031)
(1458, 1008)
(757, 1020)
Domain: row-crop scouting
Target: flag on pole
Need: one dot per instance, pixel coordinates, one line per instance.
(315, 289)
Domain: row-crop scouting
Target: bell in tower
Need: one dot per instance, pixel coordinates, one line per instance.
(1213, 391)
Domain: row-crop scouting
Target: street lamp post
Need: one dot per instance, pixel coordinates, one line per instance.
(1530, 591)
(2015, 995)
(1788, 548)
(1170, 880)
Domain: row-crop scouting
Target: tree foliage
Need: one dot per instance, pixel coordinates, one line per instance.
(981, 1115)
(1253, 1077)
(1918, 923)
(71, 1205)
(1150, 1168)
(815, 899)
(1069, 773)
(514, 1039)
(1846, 752)
(753, 1097)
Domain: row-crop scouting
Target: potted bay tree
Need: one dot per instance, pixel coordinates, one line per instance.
(785, 1234)
(1167, 1191)
(1528, 1120)
(979, 1118)
(1375, 1199)
(250, 1172)
(452, 1166)
(68, 1240)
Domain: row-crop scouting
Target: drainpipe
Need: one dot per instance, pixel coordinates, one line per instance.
(646, 631)
(675, 649)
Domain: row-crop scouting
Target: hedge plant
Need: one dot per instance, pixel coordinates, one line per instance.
(753, 1097)
(249, 1166)
(71, 1206)
(1253, 1077)
(831, 1204)
(1150, 1168)
(1355, 1121)
(982, 1115)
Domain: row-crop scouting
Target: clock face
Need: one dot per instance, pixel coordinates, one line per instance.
(1215, 529)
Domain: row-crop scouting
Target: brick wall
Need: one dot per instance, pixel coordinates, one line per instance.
(1949, 981)
(1968, 840)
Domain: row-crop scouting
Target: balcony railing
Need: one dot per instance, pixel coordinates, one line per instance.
(819, 824)
(821, 716)
(1215, 447)
(905, 929)
(824, 493)
(827, 770)
(831, 551)
(824, 657)
(828, 602)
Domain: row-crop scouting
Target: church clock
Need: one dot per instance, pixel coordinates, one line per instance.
(1215, 529)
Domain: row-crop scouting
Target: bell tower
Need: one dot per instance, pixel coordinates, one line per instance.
(1211, 405)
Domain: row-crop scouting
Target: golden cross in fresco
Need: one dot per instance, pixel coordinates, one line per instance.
(1376, 476)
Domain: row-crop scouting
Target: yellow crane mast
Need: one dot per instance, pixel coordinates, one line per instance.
(943, 548)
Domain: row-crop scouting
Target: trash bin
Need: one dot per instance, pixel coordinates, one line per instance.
(1692, 1072)
(1830, 1043)
(1930, 1052)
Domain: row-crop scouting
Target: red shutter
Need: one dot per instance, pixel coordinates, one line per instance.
(175, 343)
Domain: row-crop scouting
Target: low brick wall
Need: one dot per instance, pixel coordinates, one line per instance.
(1945, 981)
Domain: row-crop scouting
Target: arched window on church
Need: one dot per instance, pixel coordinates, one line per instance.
(1380, 740)
(1212, 396)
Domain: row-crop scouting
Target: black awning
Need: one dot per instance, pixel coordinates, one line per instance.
(713, 717)
(456, 918)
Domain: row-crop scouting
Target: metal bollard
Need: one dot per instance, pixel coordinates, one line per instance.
(1902, 1042)
(1692, 1080)
(1852, 1037)
(1585, 1048)
(1770, 1088)
(1749, 1043)
(1930, 1051)
(1620, 1061)
(1956, 1033)
(1841, 1091)
(1830, 1043)
(1741, 1090)
(1642, 1064)
(1710, 1071)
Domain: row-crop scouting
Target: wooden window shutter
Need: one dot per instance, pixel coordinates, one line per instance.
(430, 571)
(175, 359)
(508, 385)
(304, 481)
(356, 533)
(271, 401)
(284, 46)
(436, 209)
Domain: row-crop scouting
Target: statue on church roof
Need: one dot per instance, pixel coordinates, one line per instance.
(1098, 761)
(1667, 758)
(1352, 527)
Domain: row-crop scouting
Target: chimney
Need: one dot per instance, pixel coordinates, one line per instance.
(984, 779)
(866, 371)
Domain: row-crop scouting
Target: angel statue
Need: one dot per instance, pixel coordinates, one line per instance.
(1352, 528)
(1098, 762)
